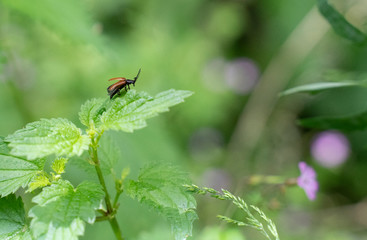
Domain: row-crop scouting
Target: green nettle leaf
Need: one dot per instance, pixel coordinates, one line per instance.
(16, 172)
(62, 211)
(3, 147)
(91, 111)
(12, 219)
(131, 111)
(39, 181)
(84, 164)
(321, 86)
(160, 186)
(48, 136)
(181, 223)
(109, 154)
(340, 25)
(356, 122)
(58, 165)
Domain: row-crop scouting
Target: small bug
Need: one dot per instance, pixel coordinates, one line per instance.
(122, 83)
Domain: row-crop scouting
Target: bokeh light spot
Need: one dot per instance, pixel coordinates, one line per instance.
(330, 148)
(241, 75)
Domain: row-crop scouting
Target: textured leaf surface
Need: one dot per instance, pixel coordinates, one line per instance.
(109, 154)
(48, 136)
(39, 181)
(357, 122)
(91, 111)
(16, 172)
(62, 211)
(12, 219)
(58, 165)
(3, 147)
(160, 187)
(340, 25)
(131, 111)
(321, 86)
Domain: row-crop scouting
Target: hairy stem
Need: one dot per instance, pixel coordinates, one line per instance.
(110, 211)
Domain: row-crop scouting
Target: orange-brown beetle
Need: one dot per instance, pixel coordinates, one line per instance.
(122, 83)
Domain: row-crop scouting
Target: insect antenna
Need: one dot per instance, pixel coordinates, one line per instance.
(136, 78)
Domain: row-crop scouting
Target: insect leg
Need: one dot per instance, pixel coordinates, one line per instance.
(114, 92)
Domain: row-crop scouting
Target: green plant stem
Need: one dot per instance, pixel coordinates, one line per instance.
(116, 229)
(102, 218)
(102, 181)
(115, 202)
(110, 211)
(262, 179)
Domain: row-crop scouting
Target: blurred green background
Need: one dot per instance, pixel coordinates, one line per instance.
(236, 55)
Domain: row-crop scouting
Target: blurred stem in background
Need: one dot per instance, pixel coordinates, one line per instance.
(262, 101)
(257, 112)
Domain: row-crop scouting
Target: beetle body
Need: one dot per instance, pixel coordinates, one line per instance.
(122, 83)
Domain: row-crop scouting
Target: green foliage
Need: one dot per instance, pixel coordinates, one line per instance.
(16, 172)
(67, 17)
(109, 154)
(356, 122)
(175, 40)
(3, 146)
(230, 220)
(270, 232)
(131, 111)
(39, 181)
(48, 136)
(62, 210)
(321, 86)
(91, 111)
(340, 25)
(59, 165)
(338, 79)
(160, 187)
(336, 75)
(12, 219)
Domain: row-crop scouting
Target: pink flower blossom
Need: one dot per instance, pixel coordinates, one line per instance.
(307, 180)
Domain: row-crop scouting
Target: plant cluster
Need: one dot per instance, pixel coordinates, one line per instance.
(61, 210)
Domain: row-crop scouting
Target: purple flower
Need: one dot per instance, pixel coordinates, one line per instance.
(307, 180)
